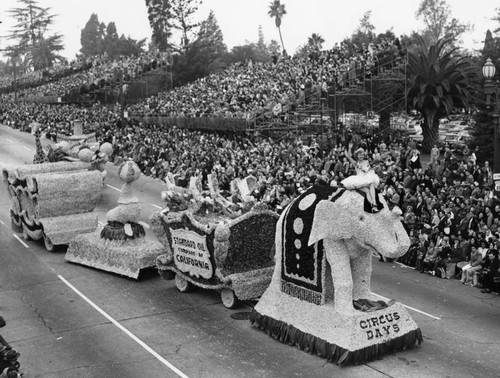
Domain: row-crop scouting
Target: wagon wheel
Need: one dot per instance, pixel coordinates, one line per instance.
(166, 274)
(229, 299)
(25, 234)
(182, 284)
(15, 222)
(49, 246)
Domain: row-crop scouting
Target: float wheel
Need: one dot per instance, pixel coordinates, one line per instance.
(25, 234)
(16, 223)
(183, 285)
(229, 299)
(49, 246)
(167, 275)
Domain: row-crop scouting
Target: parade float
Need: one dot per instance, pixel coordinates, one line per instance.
(78, 147)
(78, 137)
(9, 364)
(214, 243)
(319, 298)
(54, 198)
(53, 201)
(120, 246)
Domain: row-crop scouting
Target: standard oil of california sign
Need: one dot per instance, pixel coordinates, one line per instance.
(191, 254)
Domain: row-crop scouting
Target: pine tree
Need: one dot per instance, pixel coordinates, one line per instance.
(491, 48)
(182, 12)
(97, 38)
(160, 20)
(439, 23)
(210, 37)
(38, 49)
(111, 41)
(262, 53)
(92, 37)
(205, 55)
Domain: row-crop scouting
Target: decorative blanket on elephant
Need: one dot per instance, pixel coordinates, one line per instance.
(303, 266)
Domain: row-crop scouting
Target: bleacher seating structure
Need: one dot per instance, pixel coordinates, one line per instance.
(366, 90)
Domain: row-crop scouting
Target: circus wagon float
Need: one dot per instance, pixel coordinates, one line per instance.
(215, 244)
(54, 198)
(53, 201)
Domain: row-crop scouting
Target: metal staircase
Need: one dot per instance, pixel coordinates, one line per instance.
(368, 92)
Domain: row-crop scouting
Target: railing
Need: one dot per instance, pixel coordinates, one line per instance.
(198, 123)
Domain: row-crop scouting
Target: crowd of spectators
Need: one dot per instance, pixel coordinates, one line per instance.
(18, 79)
(56, 119)
(453, 216)
(81, 76)
(449, 206)
(261, 90)
(255, 91)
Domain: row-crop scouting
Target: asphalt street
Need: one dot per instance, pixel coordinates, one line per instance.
(68, 320)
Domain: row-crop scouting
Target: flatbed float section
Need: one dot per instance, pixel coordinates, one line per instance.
(233, 256)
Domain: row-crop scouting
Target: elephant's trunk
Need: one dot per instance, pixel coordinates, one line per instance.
(401, 245)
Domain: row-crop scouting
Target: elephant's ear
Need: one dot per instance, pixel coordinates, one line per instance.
(331, 220)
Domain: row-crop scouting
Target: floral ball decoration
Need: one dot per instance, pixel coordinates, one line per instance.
(106, 148)
(62, 145)
(129, 171)
(85, 155)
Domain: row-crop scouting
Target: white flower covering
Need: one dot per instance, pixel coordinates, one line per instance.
(350, 236)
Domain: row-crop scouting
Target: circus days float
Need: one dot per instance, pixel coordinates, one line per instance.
(319, 298)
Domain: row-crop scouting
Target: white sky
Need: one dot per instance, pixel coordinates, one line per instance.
(239, 19)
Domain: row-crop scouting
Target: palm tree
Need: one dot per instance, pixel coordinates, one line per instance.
(315, 41)
(277, 11)
(440, 80)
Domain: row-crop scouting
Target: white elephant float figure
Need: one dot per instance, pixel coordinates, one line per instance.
(332, 225)
(319, 298)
